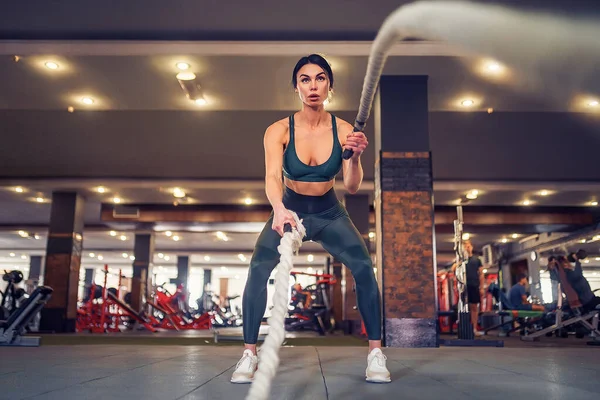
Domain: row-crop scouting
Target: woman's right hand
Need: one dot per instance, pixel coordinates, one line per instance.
(282, 216)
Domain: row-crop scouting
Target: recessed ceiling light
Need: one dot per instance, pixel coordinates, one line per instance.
(466, 236)
(116, 200)
(178, 193)
(51, 65)
(169, 233)
(39, 199)
(176, 238)
(526, 202)
(160, 255)
(123, 237)
(132, 258)
(167, 258)
(206, 258)
(467, 103)
(125, 255)
(87, 100)
(222, 236)
(201, 101)
(113, 233)
(514, 235)
(504, 240)
(248, 200)
(310, 258)
(593, 103)
(100, 257)
(19, 189)
(544, 193)
(472, 195)
(494, 67)
(594, 203)
(101, 189)
(242, 257)
(371, 235)
(186, 76)
(183, 66)
(23, 234)
(12, 254)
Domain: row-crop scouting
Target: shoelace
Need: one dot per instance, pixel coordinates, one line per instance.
(381, 358)
(242, 361)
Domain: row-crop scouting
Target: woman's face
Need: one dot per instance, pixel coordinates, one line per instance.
(312, 85)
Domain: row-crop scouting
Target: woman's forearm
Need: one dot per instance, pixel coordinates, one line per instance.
(354, 175)
(274, 191)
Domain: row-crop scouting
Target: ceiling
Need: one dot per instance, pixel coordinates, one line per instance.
(248, 82)
(218, 20)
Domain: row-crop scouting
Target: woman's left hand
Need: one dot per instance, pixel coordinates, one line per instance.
(357, 142)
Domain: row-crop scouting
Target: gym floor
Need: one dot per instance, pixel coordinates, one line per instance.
(141, 371)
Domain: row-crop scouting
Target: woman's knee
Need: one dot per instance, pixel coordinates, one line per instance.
(263, 261)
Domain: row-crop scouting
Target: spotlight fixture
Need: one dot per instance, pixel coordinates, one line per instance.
(87, 100)
(593, 103)
(191, 87)
(467, 103)
(183, 66)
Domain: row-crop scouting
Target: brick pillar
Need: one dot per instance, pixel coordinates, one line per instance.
(63, 258)
(404, 213)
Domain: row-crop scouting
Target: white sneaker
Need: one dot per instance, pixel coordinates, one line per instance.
(479, 333)
(245, 368)
(376, 370)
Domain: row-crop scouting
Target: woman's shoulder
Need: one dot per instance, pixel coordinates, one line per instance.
(278, 129)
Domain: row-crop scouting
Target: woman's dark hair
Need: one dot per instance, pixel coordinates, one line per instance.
(313, 59)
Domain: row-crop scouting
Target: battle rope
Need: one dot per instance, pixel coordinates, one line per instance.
(269, 357)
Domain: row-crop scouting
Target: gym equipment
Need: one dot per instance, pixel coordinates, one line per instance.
(11, 294)
(466, 336)
(318, 315)
(587, 320)
(12, 330)
(170, 311)
(106, 313)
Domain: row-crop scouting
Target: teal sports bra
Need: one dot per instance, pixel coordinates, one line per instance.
(296, 170)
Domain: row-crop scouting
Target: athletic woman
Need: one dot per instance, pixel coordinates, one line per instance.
(306, 148)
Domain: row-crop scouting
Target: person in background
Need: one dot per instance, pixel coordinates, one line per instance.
(518, 296)
(475, 284)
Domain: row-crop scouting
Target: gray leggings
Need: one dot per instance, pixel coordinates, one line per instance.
(327, 223)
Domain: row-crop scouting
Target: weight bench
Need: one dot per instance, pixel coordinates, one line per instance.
(577, 311)
(13, 328)
(525, 318)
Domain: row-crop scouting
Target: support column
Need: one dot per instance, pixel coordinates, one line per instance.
(143, 250)
(337, 297)
(63, 258)
(406, 265)
(357, 206)
(183, 270)
(35, 268)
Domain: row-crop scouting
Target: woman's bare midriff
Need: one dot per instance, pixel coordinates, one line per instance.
(309, 188)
